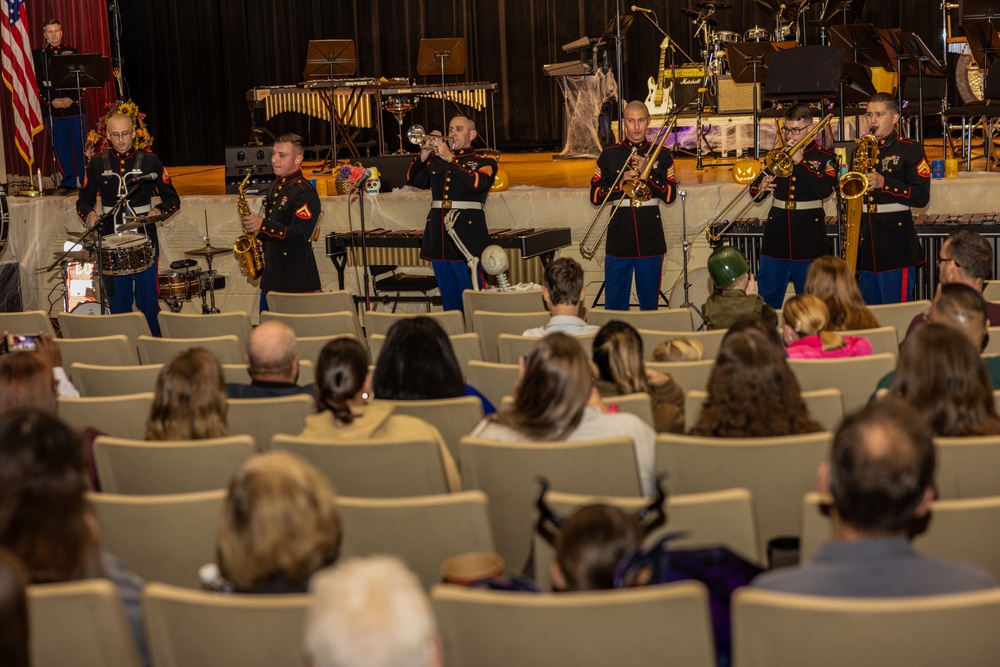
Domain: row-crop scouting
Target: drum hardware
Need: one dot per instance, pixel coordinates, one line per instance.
(399, 107)
(179, 264)
(207, 251)
(756, 34)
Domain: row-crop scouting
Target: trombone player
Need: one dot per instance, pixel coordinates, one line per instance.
(635, 235)
(795, 231)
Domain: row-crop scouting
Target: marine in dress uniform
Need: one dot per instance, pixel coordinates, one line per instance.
(62, 106)
(291, 211)
(795, 231)
(635, 240)
(459, 180)
(890, 250)
(111, 174)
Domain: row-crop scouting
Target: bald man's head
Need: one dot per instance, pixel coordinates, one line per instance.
(272, 353)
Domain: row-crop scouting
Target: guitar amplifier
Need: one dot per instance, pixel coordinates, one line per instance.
(239, 159)
(736, 97)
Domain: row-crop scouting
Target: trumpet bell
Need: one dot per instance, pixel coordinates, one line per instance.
(418, 136)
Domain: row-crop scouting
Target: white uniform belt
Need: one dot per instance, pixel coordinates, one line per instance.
(797, 205)
(448, 203)
(889, 208)
(635, 203)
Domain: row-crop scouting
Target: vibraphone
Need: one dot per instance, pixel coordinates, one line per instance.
(352, 100)
(528, 250)
(473, 94)
(932, 229)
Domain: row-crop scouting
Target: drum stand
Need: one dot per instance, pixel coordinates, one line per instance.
(208, 285)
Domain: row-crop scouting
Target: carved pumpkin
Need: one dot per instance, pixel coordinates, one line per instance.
(745, 170)
(501, 182)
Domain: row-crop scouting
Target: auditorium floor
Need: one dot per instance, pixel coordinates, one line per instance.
(537, 169)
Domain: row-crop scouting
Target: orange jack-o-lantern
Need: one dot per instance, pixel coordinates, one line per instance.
(501, 182)
(745, 170)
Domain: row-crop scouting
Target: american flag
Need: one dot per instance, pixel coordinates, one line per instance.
(19, 77)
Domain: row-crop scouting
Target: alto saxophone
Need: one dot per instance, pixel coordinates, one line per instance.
(853, 186)
(248, 248)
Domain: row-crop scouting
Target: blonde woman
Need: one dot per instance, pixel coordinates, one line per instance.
(190, 401)
(807, 336)
(832, 280)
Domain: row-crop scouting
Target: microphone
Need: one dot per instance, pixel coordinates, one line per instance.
(145, 178)
(641, 9)
(365, 177)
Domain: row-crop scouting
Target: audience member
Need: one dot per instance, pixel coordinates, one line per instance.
(418, 363)
(681, 348)
(881, 477)
(563, 293)
(589, 547)
(555, 399)
(941, 374)
(44, 517)
(13, 611)
(735, 291)
(620, 368)
(190, 401)
(26, 382)
(371, 612)
(279, 525)
(752, 392)
(832, 280)
(807, 336)
(343, 392)
(273, 360)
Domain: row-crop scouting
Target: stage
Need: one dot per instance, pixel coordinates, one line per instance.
(544, 193)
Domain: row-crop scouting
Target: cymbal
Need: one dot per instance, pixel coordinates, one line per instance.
(207, 251)
(76, 235)
(690, 12)
(711, 4)
(148, 219)
(130, 226)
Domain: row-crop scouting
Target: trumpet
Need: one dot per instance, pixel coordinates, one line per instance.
(777, 163)
(419, 137)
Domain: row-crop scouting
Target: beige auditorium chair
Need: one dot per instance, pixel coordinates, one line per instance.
(710, 340)
(899, 315)
(489, 325)
(307, 303)
(183, 325)
(133, 325)
(307, 325)
(510, 348)
(688, 374)
(423, 531)
(855, 377)
(884, 339)
(492, 380)
(967, 466)
(666, 319)
(263, 418)
(772, 629)
(466, 347)
(500, 302)
(27, 322)
(508, 471)
(80, 623)
(187, 628)
(379, 323)
(119, 416)
(826, 406)
(655, 625)
(93, 380)
(163, 538)
(454, 418)
(309, 347)
(114, 350)
(227, 349)
(142, 467)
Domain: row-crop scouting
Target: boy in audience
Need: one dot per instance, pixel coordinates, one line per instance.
(563, 292)
(735, 294)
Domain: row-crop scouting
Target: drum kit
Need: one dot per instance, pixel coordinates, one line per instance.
(714, 42)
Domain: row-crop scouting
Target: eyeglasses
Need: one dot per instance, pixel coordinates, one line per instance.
(942, 260)
(794, 130)
(120, 135)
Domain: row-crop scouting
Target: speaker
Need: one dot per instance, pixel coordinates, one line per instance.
(10, 288)
(391, 168)
(736, 97)
(239, 159)
(686, 93)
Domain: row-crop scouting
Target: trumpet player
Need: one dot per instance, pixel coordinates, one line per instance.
(635, 244)
(795, 231)
(458, 179)
(900, 179)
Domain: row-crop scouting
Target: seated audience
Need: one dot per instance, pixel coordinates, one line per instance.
(752, 392)
(190, 401)
(44, 517)
(589, 547)
(343, 392)
(371, 612)
(807, 336)
(417, 363)
(13, 611)
(279, 525)
(681, 348)
(563, 293)
(49, 350)
(832, 280)
(942, 376)
(618, 358)
(273, 361)
(26, 382)
(555, 400)
(881, 477)
(735, 291)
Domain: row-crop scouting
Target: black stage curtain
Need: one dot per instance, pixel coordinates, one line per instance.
(189, 63)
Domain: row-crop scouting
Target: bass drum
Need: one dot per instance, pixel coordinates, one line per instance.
(968, 79)
(87, 308)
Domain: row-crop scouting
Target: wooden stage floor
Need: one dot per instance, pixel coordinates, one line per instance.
(536, 169)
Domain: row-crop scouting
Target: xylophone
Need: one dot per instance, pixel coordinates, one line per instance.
(746, 235)
(469, 94)
(353, 103)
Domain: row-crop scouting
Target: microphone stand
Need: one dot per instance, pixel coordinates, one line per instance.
(685, 250)
(48, 95)
(364, 240)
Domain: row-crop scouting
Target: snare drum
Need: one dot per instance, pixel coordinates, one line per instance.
(182, 285)
(757, 34)
(126, 253)
(726, 37)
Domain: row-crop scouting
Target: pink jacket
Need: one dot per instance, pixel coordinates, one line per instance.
(810, 348)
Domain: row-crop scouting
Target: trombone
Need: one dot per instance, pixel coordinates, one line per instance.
(635, 188)
(778, 163)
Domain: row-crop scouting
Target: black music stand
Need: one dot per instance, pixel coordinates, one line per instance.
(805, 73)
(843, 12)
(445, 55)
(748, 63)
(81, 71)
(925, 65)
(863, 50)
(325, 59)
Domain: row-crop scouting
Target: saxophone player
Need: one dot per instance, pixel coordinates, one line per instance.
(291, 212)
(901, 178)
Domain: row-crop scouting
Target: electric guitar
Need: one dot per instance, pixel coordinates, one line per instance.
(658, 100)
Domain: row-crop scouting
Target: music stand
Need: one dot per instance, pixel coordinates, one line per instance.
(325, 59)
(748, 63)
(445, 55)
(863, 50)
(81, 71)
(978, 10)
(843, 12)
(926, 65)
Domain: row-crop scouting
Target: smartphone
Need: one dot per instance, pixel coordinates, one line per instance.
(12, 342)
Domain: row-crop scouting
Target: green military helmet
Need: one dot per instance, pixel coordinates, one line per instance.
(727, 265)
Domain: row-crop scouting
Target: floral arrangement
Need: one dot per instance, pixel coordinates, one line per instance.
(350, 172)
(97, 138)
